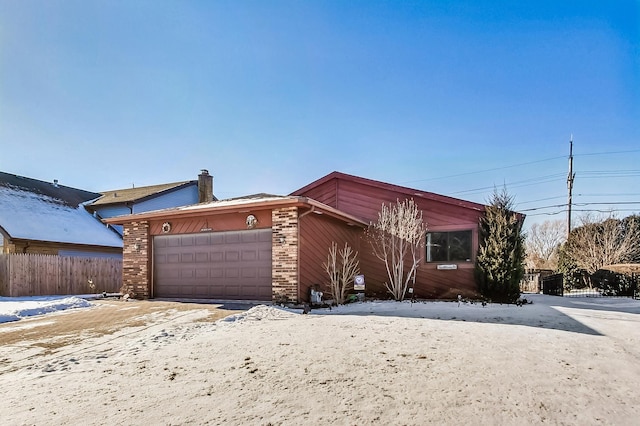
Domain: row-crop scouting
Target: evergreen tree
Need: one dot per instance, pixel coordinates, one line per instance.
(501, 255)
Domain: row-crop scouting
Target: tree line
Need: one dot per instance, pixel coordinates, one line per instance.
(583, 256)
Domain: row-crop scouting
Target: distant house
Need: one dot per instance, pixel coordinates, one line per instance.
(48, 218)
(155, 197)
(269, 247)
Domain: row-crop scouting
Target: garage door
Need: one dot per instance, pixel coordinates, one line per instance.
(218, 265)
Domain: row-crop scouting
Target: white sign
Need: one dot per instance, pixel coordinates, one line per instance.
(358, 282)
(447, 267)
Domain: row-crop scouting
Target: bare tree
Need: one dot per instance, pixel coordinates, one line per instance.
(542, 243)
(342, 266)
(397, 238)
(610, 241)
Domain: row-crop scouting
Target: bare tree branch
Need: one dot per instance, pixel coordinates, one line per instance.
(542, 243)
(342, 267)
(396, 239)
(609, 241)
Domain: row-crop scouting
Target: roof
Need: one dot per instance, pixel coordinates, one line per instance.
(27, 213)
(66, 195)
(411, 192)
(130, 195)
(232, 205)
(624, 268)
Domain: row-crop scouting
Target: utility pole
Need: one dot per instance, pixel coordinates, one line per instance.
(570, 177)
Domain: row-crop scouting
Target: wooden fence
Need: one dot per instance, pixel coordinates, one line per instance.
(42, 275)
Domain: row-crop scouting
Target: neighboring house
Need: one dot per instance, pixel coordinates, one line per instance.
(48, 218)
(532, 280)
(156, 197)
(272, 247)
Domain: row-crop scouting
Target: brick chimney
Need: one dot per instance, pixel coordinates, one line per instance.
(205, 187)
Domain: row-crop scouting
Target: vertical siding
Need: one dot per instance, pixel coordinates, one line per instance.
(364, 202)
(317, 232)
(326, 194)
(219, 222)
(40, 275)
(4, 275)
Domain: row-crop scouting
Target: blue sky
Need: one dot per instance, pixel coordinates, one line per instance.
(450, 97)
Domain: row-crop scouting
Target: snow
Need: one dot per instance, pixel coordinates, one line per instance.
(235, 202)
(16, 308)
(31, 216)
(373, 362)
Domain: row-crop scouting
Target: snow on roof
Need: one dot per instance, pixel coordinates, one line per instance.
(30, 216)
(70, 196)
(238, 201)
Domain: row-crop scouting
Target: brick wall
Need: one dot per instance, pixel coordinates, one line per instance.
(284, 269)
(135, 260)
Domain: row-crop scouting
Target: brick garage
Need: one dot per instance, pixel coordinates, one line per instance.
(182, 252)
(298, 230)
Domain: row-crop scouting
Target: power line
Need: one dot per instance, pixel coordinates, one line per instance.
(540, 199)
(627, 194)
(520, 164)
(517, 184)
(483, 171)
(613, 203)
(584, 174)
(584, 211)
(608, 153)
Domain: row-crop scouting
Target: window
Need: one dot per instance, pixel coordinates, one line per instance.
(452, 246)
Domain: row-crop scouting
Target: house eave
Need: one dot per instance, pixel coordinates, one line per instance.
(62, 243)
(240, 207)
(100, 202)
(411, 192)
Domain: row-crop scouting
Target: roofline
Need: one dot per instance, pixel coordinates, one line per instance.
(144, 198)
(4, 233)
(211, 208)
(65, 243)
(389, 186)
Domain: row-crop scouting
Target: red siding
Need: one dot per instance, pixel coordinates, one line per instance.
(220, 222)
(325, 194)
(316, 234)
(441, 214)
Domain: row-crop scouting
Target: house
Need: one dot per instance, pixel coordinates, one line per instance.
(447, 268)
(49, 218)
(155, 197)
(267, 247)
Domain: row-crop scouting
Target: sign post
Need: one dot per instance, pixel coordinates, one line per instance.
(358, 285)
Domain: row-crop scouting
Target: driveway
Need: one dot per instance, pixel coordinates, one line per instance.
(47, 334)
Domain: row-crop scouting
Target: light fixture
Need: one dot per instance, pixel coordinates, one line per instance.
(251, 221)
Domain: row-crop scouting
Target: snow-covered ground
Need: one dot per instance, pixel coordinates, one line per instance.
(557, 361)
(15, 308)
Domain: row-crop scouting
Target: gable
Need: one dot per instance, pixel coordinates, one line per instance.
(363, 198)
